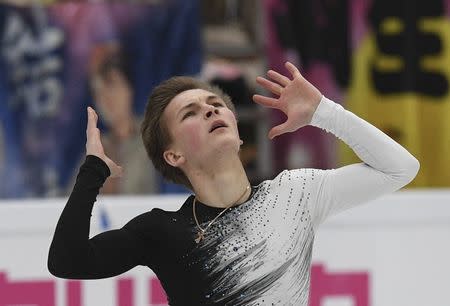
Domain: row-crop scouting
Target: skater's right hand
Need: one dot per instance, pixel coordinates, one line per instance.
(94, 145)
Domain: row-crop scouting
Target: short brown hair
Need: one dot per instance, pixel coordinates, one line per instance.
(154, 131)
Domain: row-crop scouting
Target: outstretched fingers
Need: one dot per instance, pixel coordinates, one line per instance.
(278, 81)
(293, 70)
(280, 129)
(92, 119)
(269, 85)
(281, 79)
(266, 101)
(92, 132)
(94, 144)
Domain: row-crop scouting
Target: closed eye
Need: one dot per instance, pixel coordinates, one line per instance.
(189, 113)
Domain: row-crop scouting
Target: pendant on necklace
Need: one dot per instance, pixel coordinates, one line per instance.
(200, 236)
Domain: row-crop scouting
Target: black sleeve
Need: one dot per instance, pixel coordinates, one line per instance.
(72, 254)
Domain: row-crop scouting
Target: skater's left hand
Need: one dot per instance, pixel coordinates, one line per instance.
(297, 98)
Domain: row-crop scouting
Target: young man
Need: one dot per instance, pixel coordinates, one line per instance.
(229, 243)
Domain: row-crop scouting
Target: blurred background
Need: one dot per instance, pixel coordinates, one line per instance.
(386, 61)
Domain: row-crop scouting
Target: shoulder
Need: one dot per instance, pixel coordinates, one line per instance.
(306, 180)
(295, 176)
(156, 219)
(146, 223)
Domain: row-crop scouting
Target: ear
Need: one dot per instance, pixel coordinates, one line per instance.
(174, 159)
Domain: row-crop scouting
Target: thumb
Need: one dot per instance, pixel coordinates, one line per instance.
(279, 129)
(116, 170)
(92, 119)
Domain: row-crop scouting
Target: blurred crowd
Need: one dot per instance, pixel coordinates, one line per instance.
(387, 62)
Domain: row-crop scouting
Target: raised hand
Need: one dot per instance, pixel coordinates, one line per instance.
(94, 145)
(297, 98)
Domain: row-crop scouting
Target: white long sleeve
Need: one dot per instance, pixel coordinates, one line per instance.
(386, 167)
(259, 252)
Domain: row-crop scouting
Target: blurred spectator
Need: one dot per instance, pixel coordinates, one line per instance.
(51, 59)
(113, 100)
(2, 153)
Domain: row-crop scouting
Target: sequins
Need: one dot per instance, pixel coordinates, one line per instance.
(259, 253)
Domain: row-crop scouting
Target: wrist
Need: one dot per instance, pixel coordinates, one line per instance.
(103, 166)
(314, 106)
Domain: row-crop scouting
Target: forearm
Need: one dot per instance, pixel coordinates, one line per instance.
(387, 165)
(70, 249)
(371, 145)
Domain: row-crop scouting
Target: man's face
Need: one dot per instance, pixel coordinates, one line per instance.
(201, 124)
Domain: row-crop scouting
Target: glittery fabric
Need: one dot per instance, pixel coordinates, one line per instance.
(259, 253)
(262, 248)
(256, 253)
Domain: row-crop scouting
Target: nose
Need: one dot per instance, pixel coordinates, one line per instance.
(209, 113)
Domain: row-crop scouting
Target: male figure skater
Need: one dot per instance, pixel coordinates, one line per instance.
(229, 243)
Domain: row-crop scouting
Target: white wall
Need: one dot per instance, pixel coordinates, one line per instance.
(392, 251)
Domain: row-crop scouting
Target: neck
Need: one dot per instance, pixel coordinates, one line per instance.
(222, 184)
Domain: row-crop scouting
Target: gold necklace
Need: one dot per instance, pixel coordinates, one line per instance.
(201, 232)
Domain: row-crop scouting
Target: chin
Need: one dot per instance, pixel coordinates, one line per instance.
(230, 145)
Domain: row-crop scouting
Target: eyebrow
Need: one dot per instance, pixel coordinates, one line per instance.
(208, 98)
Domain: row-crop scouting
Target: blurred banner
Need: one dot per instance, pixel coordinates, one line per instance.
(387, 61)
(56, 58)
(372, 255)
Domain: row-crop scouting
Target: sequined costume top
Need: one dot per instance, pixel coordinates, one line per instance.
(256, 253)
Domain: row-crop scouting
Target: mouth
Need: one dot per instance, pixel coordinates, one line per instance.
(217, 125)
